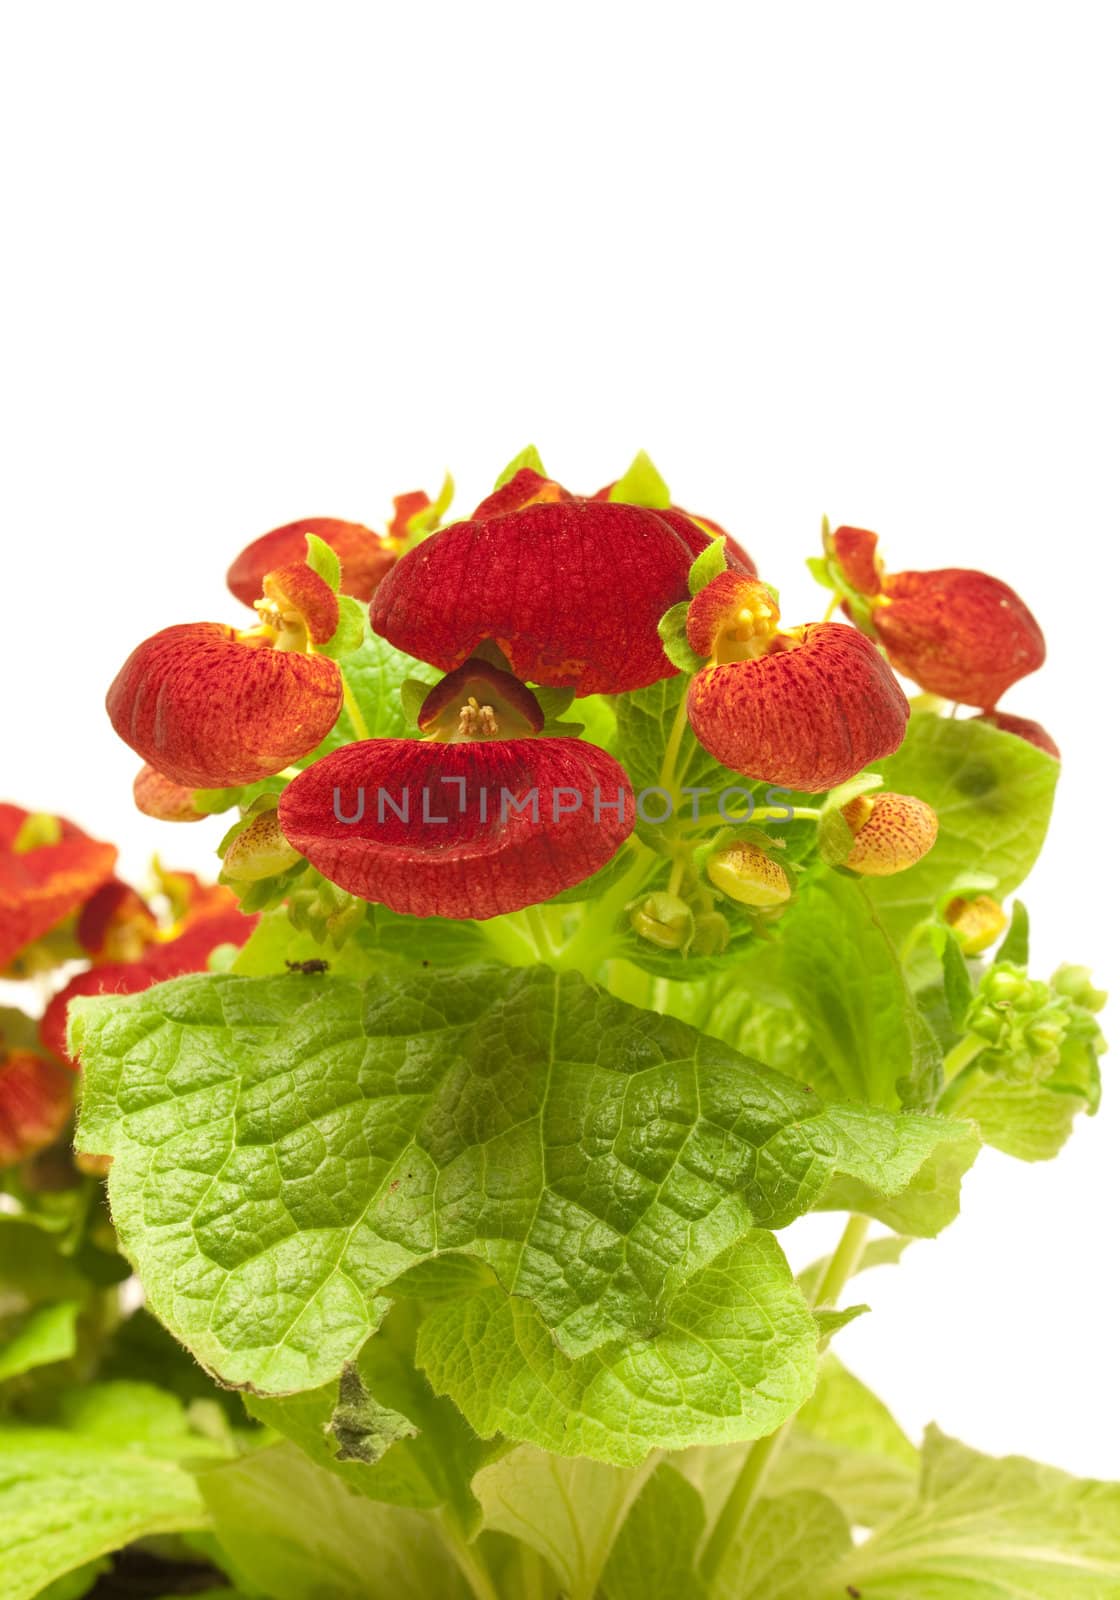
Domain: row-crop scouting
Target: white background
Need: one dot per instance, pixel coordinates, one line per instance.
(269, 261)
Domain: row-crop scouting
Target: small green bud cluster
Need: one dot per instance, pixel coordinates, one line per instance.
(326, 913)
(1037, 1030)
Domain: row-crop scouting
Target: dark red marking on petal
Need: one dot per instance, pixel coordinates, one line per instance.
(298, 591)
(475, 863)
(960, 634)
(364, 555)
(808, 717)
(208, 709)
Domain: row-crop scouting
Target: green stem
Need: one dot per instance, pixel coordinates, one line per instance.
(667, 777)
(964, 1051)
(353, 711)
(534, 917)
(593, 939)
(469, 1561)
(759, 814)
(763, 1453)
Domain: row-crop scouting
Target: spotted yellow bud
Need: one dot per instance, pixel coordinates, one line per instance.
(890, 832)
(259, 851)
(977, 923)
(747, 874)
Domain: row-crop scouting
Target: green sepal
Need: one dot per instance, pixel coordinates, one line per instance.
(711, 561)
(958, 981)
(674, 639)
(642, 485)
(413, 692)
(529, 457)
(1017, 940)
(349, 634)
(323, 561)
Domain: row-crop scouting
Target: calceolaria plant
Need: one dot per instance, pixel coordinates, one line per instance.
(582, 922)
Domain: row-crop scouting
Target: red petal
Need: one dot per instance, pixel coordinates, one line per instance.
(35, 1101)
(732, 605)
(208, 710)
(572, 591)
(365, 556)
(156, 796)
(40, 887)
(525, 488)
(696, 531)
(854, 549)
(808, 717)
(1033, 732)
(113, 913)
(405, 507)
(473, 864)
(170, 958)
(959, 634)
(296, 588)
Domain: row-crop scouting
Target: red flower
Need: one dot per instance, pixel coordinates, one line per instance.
(806, 708)
(209, 707)
(571, 591)
(856, 556)
(959, 634)
(1023, 727)
(156, 796)
(36, 1097)
(212, 920)
(435, 828)
(115, 924)
(365, 556)
(42, 883)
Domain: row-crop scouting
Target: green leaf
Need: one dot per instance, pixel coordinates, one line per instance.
(324, 562)
(674, 637)
(291, 1531)
(993, 794)
(1016, 944)
(529, 457)
(654, 1555)
(845, 1443)
(642, 485)
(958, 980)
(374, 673)
(47, 1334)
(1001, 1529)
(569, 1512)
(350, 633)
(65, 1501)
(784, 1541)
(1028, 1119)
(73, 1585)
(423, 1453)
(711, 561)
(859, 1040)
(128, 1415)
(285, 1152)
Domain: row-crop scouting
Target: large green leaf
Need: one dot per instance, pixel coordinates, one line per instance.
(784, 1540)
(993, 794)
(291, 1531)
(382, 1429)
(287, 1155)
(828, 1000)
(66, 1500)
(655, 1554)
(981, 1528)
(569, 1512)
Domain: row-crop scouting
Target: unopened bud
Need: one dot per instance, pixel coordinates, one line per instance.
(976, 924)
(889, 832)
(1076, 984)
(747, 874)
(259, 851)
(664, 919)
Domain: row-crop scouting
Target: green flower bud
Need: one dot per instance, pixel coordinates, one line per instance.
(747, 874)
(664, 920)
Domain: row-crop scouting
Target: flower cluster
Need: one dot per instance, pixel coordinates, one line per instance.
(492, 803)
(61, 903)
